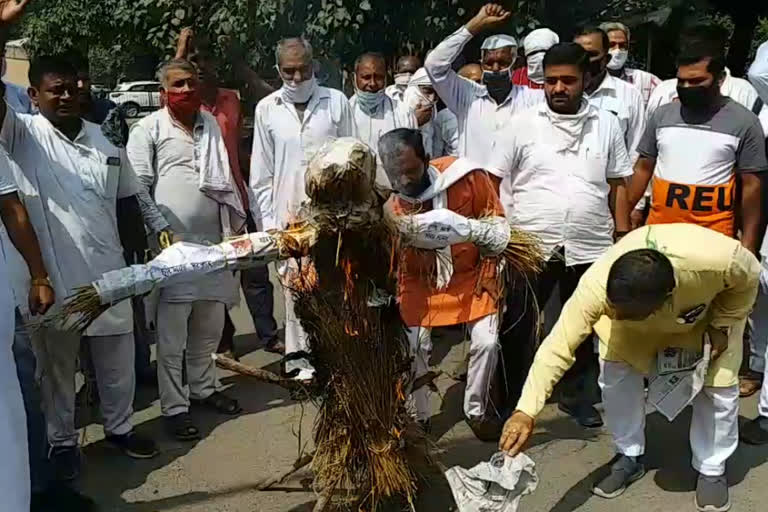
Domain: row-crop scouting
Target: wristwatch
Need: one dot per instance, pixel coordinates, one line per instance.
(42, 281)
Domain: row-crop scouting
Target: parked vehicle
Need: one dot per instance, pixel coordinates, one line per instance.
(137, 97)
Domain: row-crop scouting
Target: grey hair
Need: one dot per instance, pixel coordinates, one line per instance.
(610, 26)
(392, 143)
(288, 41)
(172, 65)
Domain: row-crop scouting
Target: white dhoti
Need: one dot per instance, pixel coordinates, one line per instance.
(714, 433)
(14, 470)
(483, 357)
(759, 339)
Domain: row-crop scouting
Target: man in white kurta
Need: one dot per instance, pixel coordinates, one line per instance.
(619, 36)
(290, 125)
(71, 178)
(174, 164)
(481, 110)
(375, 112)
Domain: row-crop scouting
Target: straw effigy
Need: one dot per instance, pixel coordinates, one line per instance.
(368, 449)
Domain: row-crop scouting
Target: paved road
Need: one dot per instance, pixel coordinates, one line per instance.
(218, 473)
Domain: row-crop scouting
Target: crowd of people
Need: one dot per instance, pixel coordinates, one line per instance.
(646, 197)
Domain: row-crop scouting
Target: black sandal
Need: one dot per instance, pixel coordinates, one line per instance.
(181, 427)
(221, 403)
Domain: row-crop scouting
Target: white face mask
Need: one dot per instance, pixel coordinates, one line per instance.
(618, 59)
(298, 92)
(536, 67)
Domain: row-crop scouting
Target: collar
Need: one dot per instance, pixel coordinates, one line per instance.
(79, 138)
(544, 110)
(607, 84)
(199, 120)
(481, 91)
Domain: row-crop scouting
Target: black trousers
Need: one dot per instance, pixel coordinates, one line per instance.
(527, 295)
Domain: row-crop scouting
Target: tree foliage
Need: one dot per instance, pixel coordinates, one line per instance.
(117, 32)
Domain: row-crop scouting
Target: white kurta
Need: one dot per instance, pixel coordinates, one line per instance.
(70, 189)
(166, 160)
(625, 102)
(370, 127)
(14, 471)
(758, 72)
(446, 140)
(479, 116)
(283, 144)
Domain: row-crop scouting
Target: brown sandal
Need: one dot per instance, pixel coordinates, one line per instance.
(750, 384)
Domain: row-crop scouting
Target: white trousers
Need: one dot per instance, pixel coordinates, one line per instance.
(483, 357)
(296, 340)
(113, 361)
(758, 341)
(714, 433)
(194, 327)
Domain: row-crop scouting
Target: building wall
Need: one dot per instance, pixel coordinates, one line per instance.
(17, 64)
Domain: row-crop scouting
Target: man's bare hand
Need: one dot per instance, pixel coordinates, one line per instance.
(637, 218)
(184, 44)
(11, 10)
(489, 16)
(719, 340)
(41, 298)
(517, 432)
(165, 238)
(423, 114)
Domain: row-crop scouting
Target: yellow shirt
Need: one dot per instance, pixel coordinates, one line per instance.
(714, 273)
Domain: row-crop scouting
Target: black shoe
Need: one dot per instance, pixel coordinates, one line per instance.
(135, 446)
(583, 412)
(755, 431)
(65, 461)
(182, 427)
(487, 430)
(61, 498)
(623, 472)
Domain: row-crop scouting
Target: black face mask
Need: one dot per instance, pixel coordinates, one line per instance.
(498, 83)
(697, 98)
(596, 68)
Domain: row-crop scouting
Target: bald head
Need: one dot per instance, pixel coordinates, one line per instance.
(472, 72)
(408, 64)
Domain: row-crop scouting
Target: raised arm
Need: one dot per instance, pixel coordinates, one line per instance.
(452, 89)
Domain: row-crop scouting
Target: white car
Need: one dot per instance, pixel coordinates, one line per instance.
(137, 97)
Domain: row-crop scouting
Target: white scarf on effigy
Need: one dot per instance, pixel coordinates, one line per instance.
(437, 192)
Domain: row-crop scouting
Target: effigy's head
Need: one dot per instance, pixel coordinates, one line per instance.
(342, 174)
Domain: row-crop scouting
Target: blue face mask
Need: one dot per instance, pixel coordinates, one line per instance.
(498, 83)
(369, 101)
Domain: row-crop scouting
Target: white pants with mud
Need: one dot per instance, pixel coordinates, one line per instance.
(296, 339)
(194, 327)
(759, 339)
(483, 357)
(113, 358)
(714, 433)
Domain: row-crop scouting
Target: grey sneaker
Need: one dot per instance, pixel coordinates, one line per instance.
(712, 494)
(623, 472)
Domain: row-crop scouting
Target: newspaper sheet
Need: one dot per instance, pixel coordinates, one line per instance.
(679, 377)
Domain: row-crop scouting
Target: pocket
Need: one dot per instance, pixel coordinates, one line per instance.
(96, 176)
(593, 169)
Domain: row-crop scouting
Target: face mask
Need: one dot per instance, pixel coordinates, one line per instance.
(697, 98)
(183, 105)
(369, 101)
(402, 79)
(536, 68)
(498, 83)
(595, 68)
(300, 92)
(618, 59)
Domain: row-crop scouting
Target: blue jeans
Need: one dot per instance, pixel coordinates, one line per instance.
(26, 367)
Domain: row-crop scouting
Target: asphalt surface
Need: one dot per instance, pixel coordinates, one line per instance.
(219, 473)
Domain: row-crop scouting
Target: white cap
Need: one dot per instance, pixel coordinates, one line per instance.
(498, 41)
(540, 39)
